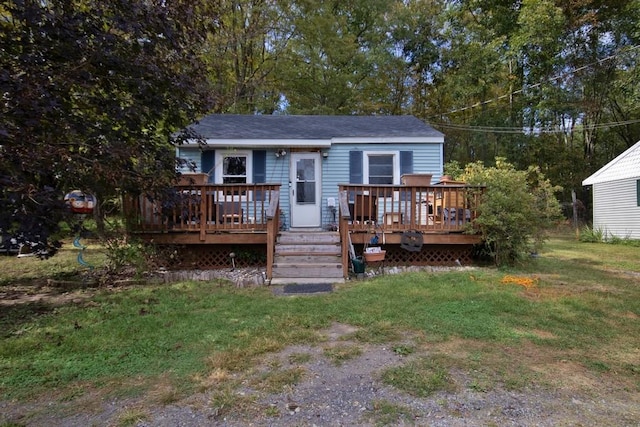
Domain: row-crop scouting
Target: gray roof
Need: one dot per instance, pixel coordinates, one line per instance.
(229, 126)
(625, 166)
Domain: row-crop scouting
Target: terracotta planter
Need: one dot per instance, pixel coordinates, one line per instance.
(374, 256)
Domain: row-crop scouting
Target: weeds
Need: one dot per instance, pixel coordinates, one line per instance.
(386, 413)
(131, 417)
(421, 377)
(339, 354)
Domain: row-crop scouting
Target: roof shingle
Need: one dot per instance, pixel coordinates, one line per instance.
(626, 165)
(229, 126)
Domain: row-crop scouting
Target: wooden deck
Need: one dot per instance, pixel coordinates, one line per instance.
(248, 214)
(441, 214)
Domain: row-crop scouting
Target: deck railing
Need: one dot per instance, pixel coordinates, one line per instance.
(205, 208)
(435, 208)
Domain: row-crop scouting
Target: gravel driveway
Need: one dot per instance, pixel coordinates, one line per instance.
(350, 393)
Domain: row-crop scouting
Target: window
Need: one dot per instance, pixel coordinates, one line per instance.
(235, 167)
(234, 170)
(381, 168)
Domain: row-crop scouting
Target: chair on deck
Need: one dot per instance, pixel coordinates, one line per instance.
(364, 209)
(456, 216)
(230, 213)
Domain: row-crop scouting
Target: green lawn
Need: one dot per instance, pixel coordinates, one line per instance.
(577, 302)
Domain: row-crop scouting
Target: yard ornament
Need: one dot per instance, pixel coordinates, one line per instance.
(80, 204)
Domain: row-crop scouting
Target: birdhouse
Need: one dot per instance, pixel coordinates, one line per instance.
(79, 202)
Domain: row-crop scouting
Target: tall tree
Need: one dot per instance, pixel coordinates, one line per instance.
(92, 94)
(241, 55)
(336, 50)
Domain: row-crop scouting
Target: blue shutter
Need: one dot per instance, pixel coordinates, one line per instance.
(355, 167)
(207, 163)
(259, 166)
(259, 171)
(406, 166)
(638, 192)
(406, 162)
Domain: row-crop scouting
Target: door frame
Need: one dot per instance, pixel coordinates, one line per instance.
(306, 215)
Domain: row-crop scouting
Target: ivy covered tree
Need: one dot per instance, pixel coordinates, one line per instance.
(92, 93)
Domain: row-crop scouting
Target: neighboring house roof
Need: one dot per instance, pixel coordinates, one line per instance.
(263, 127)
(626, 165)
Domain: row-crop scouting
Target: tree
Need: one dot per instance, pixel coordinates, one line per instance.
(517, 208)
(552, 83)
(337, 58)
(92, 95)
(241, 55)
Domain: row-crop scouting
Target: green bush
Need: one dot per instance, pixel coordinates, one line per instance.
(591, 235)
(517, 209)
(124, 252)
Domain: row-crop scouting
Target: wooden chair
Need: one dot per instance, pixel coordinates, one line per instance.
(364, 209)
(230, 213)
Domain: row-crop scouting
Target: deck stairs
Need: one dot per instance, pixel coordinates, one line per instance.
(307, 257)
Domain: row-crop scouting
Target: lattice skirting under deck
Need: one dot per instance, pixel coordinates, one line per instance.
(205, 257)
(441, 255)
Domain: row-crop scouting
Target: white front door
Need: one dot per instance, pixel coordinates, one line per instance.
(305, 189)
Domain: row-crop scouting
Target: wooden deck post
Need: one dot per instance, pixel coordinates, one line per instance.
(204, 214)
(273, 225)
(343, 226)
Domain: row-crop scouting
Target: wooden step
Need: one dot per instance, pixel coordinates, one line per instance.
(310, 256)
(309, 271)
(306, 258)
(282, 249)
(311, 238)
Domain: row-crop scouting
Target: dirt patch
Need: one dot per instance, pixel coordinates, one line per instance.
(307, 385)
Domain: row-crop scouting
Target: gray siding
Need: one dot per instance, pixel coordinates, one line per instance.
(615, 208)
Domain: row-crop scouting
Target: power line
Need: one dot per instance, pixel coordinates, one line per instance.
(536, 85)
(522, 130)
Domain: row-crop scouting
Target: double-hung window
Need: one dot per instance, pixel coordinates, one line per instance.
(381, 168)
(234, 167)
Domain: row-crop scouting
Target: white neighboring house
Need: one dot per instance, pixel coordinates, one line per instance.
(616, 195)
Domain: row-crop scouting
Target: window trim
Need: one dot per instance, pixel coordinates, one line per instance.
(220, 161)
(220, 155)
(396, 164)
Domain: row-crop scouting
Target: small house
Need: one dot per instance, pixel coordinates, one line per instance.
(309, 156)
(616, 195)
(311, 190)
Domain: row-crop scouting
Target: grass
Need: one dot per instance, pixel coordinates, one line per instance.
(421, 377)
(63, 265)
(388, 413)
(580, 305)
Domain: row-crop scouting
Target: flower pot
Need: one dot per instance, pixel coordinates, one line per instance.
(374, 256)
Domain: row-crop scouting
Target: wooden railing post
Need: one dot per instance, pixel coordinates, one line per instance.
(273, 220)
(203, 213)
(343, 226)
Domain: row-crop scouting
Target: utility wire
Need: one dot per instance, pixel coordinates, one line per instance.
(526, 129)
(536, 85)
